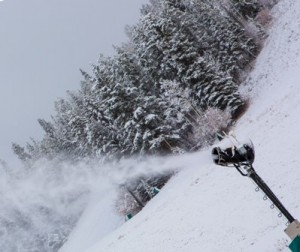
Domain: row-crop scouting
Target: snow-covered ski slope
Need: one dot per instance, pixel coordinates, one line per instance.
(211, 208)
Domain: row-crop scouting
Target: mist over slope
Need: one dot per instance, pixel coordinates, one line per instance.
(210, 208)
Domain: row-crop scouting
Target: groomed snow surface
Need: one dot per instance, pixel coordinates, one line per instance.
(212, 208)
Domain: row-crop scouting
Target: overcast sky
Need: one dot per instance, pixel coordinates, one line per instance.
(42, 46)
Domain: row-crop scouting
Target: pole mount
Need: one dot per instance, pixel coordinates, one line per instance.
(293, 229)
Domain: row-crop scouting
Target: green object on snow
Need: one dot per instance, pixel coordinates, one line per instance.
(295, 245)
(129, 216)
(155, 190)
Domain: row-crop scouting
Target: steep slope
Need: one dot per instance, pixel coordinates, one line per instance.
(210, 208)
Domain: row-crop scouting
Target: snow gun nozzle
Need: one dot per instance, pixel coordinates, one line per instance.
(234, 155)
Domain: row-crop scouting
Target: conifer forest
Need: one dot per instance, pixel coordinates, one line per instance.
(168, 90)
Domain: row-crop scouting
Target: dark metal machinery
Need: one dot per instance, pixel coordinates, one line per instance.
(242, 157)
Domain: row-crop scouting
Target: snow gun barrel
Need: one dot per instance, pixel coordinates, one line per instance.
(242, 154)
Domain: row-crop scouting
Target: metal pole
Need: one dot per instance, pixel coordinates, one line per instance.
(266, 189)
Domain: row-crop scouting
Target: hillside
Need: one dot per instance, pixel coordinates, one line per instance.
(210, 208)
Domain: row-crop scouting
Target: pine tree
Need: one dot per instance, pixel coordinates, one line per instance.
(183, 58)
(21, 153)
(248, 9)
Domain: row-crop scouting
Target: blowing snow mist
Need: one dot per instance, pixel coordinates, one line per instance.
(40, 206)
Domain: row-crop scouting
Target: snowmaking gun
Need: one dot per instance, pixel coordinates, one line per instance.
(241, 156)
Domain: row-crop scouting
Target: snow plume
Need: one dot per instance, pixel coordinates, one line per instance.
(40, 206)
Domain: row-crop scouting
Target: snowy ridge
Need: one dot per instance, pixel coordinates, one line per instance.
(210, 208)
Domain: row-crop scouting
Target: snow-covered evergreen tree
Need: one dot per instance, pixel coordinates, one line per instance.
(183, 58)
(168, 90)
(248, 9)
(21, 152)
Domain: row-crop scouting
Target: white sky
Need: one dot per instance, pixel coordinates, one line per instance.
(42, 46)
